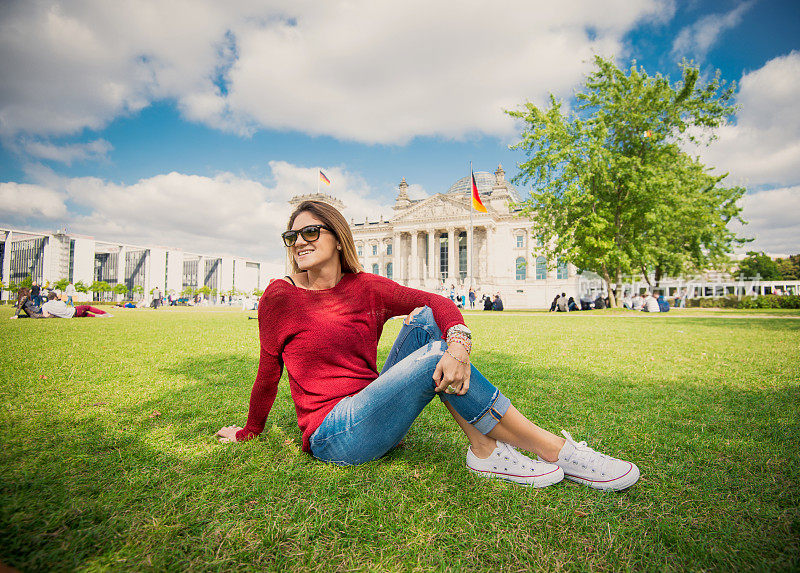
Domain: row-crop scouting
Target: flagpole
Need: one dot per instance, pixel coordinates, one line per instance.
(319, 176)
(471, 230)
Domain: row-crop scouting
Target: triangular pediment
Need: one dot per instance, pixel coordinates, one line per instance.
(437, 208)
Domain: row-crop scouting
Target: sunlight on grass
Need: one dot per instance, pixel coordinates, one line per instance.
(109, 459)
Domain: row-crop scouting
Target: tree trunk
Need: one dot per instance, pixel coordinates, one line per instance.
(659, 274)
(646, 278)
(612, 299)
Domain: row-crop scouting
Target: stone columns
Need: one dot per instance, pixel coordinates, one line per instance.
(414, 274)
(452, 254)
(470, 271)
(431, 274)
(396, 259)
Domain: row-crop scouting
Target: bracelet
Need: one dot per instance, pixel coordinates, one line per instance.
(464, 362)
(462, 339)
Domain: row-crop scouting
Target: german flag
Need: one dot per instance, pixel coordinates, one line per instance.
(324, 178)
(476, 197)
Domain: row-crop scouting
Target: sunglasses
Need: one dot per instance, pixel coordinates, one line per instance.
(310, 233)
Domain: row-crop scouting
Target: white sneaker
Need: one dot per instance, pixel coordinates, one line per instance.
(508, 464)
(587, 466)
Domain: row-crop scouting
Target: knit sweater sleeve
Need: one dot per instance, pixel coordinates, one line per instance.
(397, 300)
(270, 364)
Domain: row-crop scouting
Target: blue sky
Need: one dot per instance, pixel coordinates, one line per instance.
(190, 124)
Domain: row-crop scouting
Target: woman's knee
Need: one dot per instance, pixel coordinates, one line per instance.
(413, 313)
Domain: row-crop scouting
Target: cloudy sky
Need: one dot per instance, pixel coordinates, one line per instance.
(189, 123)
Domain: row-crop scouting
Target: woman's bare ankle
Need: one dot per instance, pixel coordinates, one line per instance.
(482, 447)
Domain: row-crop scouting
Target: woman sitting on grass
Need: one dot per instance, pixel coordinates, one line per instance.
(25, 305)
(324, 322)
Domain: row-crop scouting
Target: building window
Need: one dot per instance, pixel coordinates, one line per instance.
(522, 268)
(375, 269)
(443, 256)
(562, 269)
(71, 260)
(541, 268)
(388, 248)
(374, 250)
(360, 251)
(520, 241)
(389, 270)
(462, 254)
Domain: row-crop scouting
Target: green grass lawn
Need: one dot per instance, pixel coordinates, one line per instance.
(109, 463)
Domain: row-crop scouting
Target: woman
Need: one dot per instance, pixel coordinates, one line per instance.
(25, 306)
(323, 323)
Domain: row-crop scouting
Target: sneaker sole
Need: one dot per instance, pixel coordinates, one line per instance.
(622, 482)
(538, 480)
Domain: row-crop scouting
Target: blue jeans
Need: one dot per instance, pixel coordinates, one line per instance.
(365, 426)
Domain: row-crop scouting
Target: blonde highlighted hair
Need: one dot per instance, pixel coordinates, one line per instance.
(336, 221)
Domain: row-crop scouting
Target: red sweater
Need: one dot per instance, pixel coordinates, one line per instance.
(328, 340)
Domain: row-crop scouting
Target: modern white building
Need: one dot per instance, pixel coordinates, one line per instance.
(432, 244)
(50, 257)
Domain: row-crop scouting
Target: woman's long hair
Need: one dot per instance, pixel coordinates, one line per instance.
(336, 221)
(22, 294)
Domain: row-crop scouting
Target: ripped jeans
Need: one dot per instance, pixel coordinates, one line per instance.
(365, 426)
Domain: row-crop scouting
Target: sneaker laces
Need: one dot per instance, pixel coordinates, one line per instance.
(585, 455)
(511, 454)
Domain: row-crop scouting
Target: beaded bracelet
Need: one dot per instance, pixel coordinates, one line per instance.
(464, 362)
(461, 338)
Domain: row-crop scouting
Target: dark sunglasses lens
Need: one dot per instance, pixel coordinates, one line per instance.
(310, 233)
(289, 238)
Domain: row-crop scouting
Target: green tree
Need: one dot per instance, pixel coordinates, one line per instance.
(188, 291)
(204, 290)
(100, 288)
(80, 286)
(120, 289)
(61, 284)
(789, 268)
(616, 195)
(138, 289)
(758, 265)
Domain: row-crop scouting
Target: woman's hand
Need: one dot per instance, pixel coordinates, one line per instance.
(452, 372)
(227, 434)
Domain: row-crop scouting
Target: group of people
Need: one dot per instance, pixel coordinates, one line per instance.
(562, 303)
(648, 302)
(56, 306)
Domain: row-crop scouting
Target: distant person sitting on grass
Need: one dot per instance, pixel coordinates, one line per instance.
(637, 301)
(323, 323)
(663, 304)
(57, 308)
(497, 303)
(650, 303)
(25, 306)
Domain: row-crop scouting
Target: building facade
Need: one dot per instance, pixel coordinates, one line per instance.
(50, 257)
(432, 244)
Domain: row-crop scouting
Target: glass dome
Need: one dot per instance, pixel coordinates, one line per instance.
(485, 181)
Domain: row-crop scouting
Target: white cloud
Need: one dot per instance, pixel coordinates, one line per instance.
(696, 40)
(224, 214)
(67, 154)
(23, 202)
(772, 221)
(763, 146)
(417, 191)
(365, 70)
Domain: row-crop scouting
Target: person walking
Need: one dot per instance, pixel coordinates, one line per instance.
(323, 322)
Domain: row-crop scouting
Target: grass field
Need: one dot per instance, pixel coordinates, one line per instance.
(109, 461)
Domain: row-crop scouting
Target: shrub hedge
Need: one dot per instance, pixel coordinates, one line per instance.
(764, 301)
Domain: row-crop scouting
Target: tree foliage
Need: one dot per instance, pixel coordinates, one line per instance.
(615, 194)
(758, 265)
